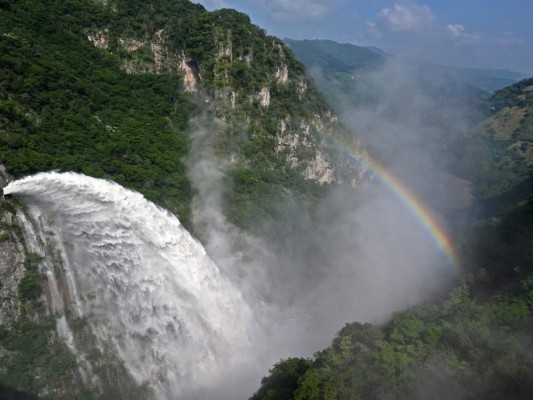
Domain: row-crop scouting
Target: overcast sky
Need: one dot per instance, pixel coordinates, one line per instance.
(474, 33)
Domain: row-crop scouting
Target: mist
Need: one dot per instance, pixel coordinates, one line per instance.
(360, 254)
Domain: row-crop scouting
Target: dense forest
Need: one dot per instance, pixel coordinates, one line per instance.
(109, 111)
(475, 344)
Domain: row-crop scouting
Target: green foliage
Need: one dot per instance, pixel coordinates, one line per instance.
(30, 287)
(510, 96)
(468, 341)
(333, 57)
(507, 140)
(36, 358)
(502, 247)
(69, 106)
(469, 346)
(283, 379)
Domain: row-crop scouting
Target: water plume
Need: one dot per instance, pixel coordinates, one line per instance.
(147, 289)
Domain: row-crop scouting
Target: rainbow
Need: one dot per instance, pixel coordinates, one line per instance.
(408, 199)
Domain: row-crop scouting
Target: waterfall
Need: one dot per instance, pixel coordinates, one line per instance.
(146, 288)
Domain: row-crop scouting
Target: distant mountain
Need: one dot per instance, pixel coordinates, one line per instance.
(336, 57)
(332, 57)
(488, 80)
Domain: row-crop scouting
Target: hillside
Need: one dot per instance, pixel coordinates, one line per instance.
(475, 344)
(341, 63)
(510, 123)
(336, 57)
(468, 132)
(108, 89)
(502, 140)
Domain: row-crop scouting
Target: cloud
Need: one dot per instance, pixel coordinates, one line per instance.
(290, 10)
(508, 39)
(426, 32)
(460, 35)
(372, 28)
(407, 18)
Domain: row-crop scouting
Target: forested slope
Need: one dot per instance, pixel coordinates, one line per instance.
(476, 344)
(108, 88)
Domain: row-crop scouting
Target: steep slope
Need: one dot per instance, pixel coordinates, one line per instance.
(88, 84)
(498, 157)
(510, 127)
(475, 344)
(336, 68)
(483, 139)
(67, 105)
(341, 63)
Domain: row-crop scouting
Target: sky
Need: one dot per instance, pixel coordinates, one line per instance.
(470, 33)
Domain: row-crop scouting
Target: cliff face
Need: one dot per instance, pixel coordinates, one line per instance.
(108, 88)
(276, 122)
(11, 258)
(32, 356)
(251, 80)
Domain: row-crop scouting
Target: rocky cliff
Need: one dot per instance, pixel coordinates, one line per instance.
(107, 89)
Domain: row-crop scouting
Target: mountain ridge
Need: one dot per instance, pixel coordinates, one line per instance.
(353, 57)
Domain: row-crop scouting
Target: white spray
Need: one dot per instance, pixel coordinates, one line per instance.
(149, 291)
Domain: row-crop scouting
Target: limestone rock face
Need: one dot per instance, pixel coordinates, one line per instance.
(11, 269)
(11, 259)
(4, 177)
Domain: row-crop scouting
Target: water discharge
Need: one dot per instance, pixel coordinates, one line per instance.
(147, 289)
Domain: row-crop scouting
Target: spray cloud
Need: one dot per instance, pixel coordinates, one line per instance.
(359, 254)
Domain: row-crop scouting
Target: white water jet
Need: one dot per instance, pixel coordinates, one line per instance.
(147, 289)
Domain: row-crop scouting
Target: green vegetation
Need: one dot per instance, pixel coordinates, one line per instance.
(501, 246)
(30, 286)
(37, 358)
(67, 105)
(34, 359)
(503, 148)
(475, 344)
(333, 57)
(510, 96)
(336, 68)
(467, 348)
(283, 379)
